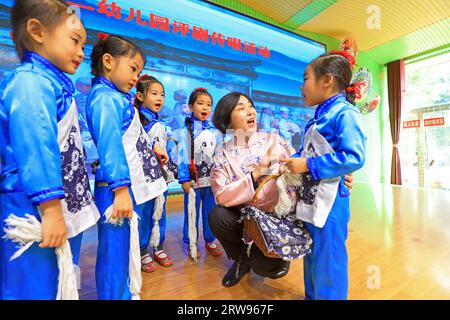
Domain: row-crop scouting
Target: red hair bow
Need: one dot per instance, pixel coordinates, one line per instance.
(356, 89)
(144, 76)
(346, 55)
(11, 34)
(200, 89)
(102, 36)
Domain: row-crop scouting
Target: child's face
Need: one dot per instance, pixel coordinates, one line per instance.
(312, 90)
(123, 71)
(202, 107)
(243, 116)
(62, 45)
(154, 100)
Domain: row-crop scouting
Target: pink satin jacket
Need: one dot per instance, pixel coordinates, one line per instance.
(231, 181)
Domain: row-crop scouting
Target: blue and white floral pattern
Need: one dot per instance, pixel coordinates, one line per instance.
(150, 165)
(75, 179)
(286, 237)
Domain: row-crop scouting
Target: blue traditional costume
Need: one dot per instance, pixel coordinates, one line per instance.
(334, 145)
(152, 226)
(41, 159)
(126, 159)
(196, 146)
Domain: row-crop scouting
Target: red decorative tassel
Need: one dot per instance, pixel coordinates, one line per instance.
(356, 89)
(193, 170)
(345, 54)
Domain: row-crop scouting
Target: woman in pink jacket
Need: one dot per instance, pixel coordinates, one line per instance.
(239, 164)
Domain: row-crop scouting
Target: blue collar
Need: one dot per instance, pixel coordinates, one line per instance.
(205, 124)
(50, 69)
(149, 114)
(328, 104)
(108, 83)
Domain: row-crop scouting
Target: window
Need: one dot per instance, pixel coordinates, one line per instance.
(425, 135)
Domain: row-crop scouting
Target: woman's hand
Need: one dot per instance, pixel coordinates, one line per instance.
(187, 186)
(123, 205)
(262, 169)
(54, 230)
(294, 165)
(162, 152)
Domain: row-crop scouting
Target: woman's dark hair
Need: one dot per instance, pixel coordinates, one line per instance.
(197, 93)
(224, 108)
(339, 67)
(116, 46)
(143, 86)
(48, 12)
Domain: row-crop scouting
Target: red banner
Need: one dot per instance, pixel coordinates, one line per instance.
(411, 124)
(434, 122)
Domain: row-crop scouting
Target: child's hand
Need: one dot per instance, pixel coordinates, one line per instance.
(186, 186)
(161, 152)
(294, 165)
(349, 182)
(54, 230)
(123, 205)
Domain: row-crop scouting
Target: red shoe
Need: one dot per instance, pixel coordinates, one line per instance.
(214, 249)
(149, 266)
(162, 258)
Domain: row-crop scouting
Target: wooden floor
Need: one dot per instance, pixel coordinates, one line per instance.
(398, 244)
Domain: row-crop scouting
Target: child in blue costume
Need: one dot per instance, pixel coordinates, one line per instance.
(42, 170)
(152, 225)
(128, 174)
(334, 145)
(196, 146)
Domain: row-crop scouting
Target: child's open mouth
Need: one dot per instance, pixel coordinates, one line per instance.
(204, 114)
(251, 122)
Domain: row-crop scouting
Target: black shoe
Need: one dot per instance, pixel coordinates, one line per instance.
(282, 271)
(235, 274)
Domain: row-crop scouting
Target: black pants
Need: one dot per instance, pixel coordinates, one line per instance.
(224, 225)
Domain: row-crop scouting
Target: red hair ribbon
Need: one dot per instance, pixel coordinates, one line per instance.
(200, 89)
(346, 55)
(102, 36)
(144, 76)
(11, 34)
(356, 89)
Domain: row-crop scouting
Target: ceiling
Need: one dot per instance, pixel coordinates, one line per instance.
(406, 27)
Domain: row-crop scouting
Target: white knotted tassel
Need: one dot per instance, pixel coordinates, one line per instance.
(192, 229)
(157, 214)
(28, 230)
(286, 180)
(134, 265)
